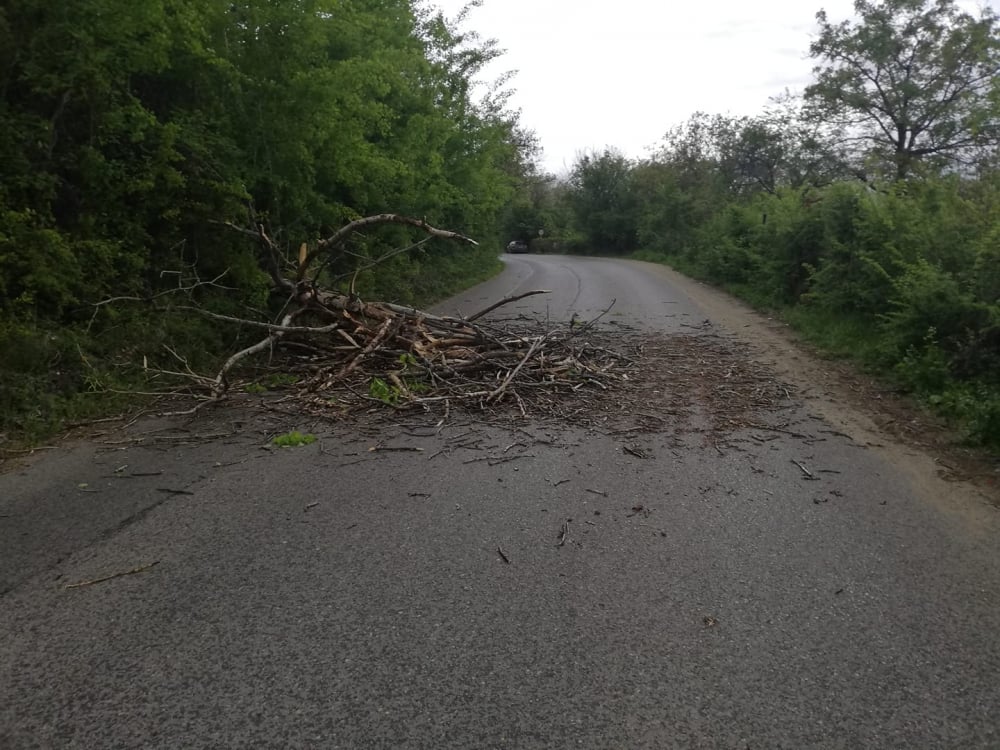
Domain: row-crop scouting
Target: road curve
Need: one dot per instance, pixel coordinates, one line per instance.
(175, 585)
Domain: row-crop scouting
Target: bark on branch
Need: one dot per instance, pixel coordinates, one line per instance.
(341, 235)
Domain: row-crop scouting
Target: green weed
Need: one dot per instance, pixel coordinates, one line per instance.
(293, 439)
(384, 392)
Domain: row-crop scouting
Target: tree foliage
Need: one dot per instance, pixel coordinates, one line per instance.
(131, 131)
(916, 79)
(603, 202)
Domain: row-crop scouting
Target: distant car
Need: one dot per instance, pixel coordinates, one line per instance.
(517, 246)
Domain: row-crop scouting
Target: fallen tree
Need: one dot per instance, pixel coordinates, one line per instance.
(328, 352)
(334, 349)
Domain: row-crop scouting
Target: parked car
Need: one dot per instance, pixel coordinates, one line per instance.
(517, 246)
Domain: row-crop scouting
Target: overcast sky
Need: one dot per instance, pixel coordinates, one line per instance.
(596, 73)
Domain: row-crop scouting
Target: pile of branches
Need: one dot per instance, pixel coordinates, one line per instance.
(334, 349)
(332, 353)
(406, 358)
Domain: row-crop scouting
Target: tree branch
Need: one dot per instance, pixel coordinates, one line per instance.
(357, 225)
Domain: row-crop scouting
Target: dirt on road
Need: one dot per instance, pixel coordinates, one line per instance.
(868, 411)
(917, 442)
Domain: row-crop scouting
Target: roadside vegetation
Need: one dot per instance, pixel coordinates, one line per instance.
(138, 137)
(866, 211)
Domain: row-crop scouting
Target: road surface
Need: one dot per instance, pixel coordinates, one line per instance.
(179, 585)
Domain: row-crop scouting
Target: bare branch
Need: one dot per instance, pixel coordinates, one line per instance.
(343, 233)
(272, 327)
(506, 300)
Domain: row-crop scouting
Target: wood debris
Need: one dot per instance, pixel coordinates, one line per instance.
(563, 533)
(333, 354)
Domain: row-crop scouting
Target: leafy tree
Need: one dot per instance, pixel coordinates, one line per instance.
(918, 80)
(665, 223)
(603, 201)
(532, 209)
(810, 152)
(131, 130)
(685, 184)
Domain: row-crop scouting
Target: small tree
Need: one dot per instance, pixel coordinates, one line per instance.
(917, 79)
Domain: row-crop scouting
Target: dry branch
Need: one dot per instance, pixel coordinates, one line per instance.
(220, 384)
(506, 300)
(355, 226)
(339, 354)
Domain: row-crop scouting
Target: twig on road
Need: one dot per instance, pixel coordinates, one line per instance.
(140, 569)
(506, 300)
(563, 532)
(809, 474)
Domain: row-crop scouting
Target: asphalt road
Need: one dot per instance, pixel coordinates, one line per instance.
(332, 596)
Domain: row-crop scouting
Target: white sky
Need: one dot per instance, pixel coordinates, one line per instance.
(596, 73)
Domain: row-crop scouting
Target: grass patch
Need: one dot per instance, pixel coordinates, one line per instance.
(294, 439)
(653, 256)
(835, 334)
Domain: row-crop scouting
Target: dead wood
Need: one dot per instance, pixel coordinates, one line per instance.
(506, 300)
(331, 353)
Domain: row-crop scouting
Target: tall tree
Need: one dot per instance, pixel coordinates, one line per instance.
(916, 79)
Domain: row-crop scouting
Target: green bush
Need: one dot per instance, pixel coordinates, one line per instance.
(927, 300)
(975, 407)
